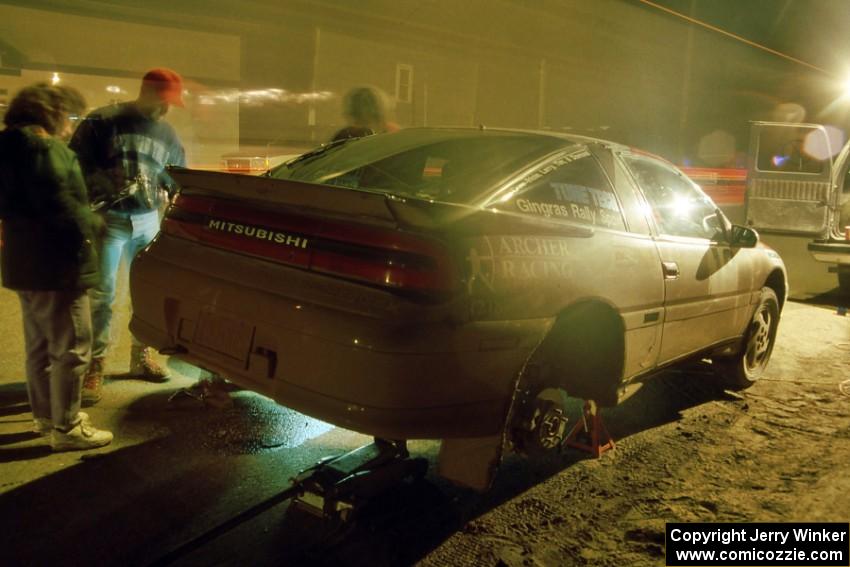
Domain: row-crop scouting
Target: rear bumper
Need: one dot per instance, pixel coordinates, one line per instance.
(411, 418)
(833, 252)
(388, 377)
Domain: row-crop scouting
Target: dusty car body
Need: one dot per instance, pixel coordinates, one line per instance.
(439, 283)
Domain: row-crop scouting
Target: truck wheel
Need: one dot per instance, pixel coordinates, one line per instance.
(742, 370)
(844, 281)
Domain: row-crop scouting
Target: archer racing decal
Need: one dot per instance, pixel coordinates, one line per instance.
(513, 259)
(502, 266)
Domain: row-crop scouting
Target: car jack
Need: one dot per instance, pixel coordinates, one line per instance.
(585, 435)
(336, 487)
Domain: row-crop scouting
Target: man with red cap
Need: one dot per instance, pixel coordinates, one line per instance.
(123, 151)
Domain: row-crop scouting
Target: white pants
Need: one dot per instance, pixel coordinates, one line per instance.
(57, 338)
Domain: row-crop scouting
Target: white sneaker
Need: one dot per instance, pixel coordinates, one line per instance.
(43, 425)
(82, 436)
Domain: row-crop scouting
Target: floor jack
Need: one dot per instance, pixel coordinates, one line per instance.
(585, 434)
(331, 492)
(336, 487)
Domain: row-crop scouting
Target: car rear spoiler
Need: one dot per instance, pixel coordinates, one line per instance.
(368, 206)
(351, 203)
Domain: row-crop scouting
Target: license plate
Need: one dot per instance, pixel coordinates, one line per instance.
(224, 334)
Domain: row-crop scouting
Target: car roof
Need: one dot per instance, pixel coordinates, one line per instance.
(570, 137)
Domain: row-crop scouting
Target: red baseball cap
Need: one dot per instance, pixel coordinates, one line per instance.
(166, 84)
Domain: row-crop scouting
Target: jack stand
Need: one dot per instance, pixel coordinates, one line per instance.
(336, 487)
(583, 432)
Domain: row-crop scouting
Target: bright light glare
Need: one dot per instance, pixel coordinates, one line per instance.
(789, 112)
(258, 97)
(779, 160)
(717, 148)
(507, 196)
(54, 80)
(846, 87)
(681, 206)
(820, 147)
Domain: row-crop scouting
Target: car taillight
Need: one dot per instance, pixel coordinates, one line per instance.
(384, 257)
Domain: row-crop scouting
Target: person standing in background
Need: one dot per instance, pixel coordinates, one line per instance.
(77, 106)
(123, 150)
(48, 256)
(367, 110)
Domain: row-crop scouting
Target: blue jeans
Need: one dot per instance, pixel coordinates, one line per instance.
(126, 234)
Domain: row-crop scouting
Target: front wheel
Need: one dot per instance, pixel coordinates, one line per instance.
(742, 370)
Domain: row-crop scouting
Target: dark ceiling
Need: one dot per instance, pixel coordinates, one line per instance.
(814, 31)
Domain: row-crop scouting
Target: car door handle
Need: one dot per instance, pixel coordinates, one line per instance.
(671, 270)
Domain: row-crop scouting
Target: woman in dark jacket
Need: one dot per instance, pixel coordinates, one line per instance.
(48, 256)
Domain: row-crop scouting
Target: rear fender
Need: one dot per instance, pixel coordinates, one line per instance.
(583, 354)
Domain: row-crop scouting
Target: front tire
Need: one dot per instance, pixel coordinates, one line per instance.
(744, 369)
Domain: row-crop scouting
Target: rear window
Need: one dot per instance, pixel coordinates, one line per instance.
(456, 168)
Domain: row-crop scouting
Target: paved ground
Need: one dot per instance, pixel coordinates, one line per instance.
(179, 469)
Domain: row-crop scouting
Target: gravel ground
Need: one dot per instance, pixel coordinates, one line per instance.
(779, 451)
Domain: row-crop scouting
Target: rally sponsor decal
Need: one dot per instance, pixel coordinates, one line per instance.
(517, 259)
(506, 264)
(561, 160)
(565, 200)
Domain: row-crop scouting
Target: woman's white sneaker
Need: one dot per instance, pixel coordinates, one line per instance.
(82, 436)
(44, 426)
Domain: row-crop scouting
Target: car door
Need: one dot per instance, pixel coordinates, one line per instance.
(614, 262)
(706, 283)
(789, 180)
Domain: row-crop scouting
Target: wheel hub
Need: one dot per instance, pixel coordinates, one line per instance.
(759, 342)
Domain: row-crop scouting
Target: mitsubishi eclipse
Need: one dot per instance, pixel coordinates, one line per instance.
(455, 284)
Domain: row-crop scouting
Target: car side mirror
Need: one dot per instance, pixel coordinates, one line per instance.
(719, 224)
(743, 237)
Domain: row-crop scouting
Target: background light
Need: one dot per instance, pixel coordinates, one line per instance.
(823, 147)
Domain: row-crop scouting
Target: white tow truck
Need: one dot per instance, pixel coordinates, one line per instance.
(798, 185)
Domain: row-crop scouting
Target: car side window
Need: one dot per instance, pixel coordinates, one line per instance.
(679, 207)
(793, 149)
(572, 187)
